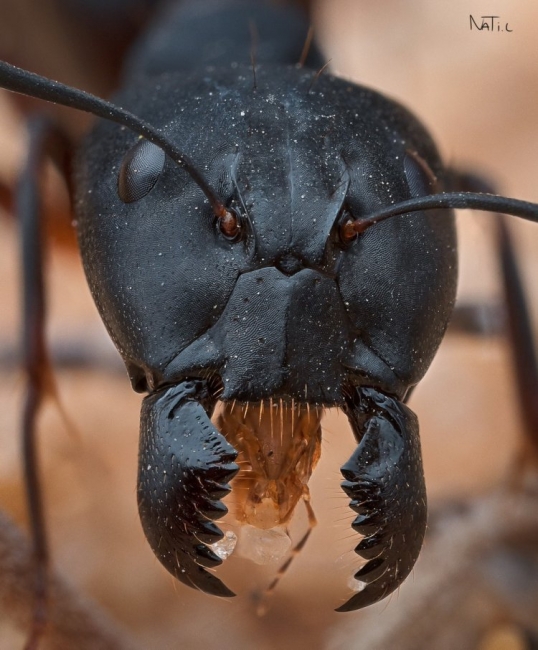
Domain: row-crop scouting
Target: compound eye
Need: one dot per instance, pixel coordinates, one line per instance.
(420, 178)
(140, 168)
(230, 224)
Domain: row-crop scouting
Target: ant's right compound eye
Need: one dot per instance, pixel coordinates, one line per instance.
(140, 168)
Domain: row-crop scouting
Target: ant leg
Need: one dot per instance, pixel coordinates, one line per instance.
(44, 140)
(484, 319)
(522, 346)
(479, 319)
(518, 325)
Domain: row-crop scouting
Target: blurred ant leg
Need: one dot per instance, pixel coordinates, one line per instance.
(520, 334)
(518, 327)
(476, 319)
(263, 598)
(484, 319)
(6, 202)
(43, 140)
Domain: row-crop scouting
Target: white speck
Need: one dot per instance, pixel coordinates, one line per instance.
(225, 546)
(264, 546)
(356, 585)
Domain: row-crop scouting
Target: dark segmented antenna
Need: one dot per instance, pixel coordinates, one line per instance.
(28, 83)
(457, 200)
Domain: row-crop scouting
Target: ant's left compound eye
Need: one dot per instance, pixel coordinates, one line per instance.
(140, 168)
(230, 224)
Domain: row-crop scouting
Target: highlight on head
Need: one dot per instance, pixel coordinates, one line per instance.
(27, 83)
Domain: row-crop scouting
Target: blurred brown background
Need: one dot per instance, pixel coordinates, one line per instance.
(478, 93)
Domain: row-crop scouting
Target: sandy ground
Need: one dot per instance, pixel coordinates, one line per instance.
(478, 93)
